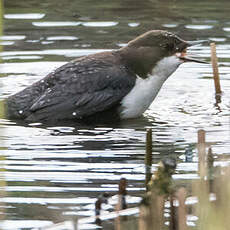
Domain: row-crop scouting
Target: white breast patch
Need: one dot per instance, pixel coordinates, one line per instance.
(140, 97)
(144, 92)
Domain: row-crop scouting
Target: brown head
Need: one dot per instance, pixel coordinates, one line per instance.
(144, 52)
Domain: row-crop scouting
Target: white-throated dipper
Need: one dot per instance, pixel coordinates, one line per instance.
(118, 84)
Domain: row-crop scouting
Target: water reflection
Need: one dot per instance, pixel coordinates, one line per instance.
(56, 172)
(24, 16)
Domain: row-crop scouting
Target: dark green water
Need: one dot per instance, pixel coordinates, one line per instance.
(55, 173)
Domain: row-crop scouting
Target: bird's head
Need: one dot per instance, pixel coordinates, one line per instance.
(156, 50)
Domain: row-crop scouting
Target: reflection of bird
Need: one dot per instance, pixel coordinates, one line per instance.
(118, 84)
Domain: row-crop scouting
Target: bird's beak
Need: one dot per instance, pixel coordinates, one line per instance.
(195, 43)
(188, 58)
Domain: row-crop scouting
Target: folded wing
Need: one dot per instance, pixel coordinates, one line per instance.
(80, 89)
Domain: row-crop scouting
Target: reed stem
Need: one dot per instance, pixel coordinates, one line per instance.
(148, 157)
(214, 60)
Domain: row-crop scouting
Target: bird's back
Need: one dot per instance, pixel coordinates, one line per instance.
(75, 90)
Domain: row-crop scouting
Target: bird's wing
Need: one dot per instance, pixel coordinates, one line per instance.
(81, 90)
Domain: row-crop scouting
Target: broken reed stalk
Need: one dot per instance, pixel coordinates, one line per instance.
(151, 215)
(221, 206)
(173, 215)
(160, 188)
(214, 60)
(148, 157)
(117, 223)
(121, 203)
(181, 196)
(201, 146)
(98, 211)
(144, 220)
(157, 203)
(200, 187)
(122, 193)
(210, 164)
(75, 224)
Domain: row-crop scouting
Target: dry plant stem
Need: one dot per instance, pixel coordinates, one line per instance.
(173, 214)
(181, 196)
(122, 186)
(157, 211)
(225, 204)
(121, 202)
(210, 162)
(201, 146)
(215, 68)
(201, 190)
(148, 157)
(222, 190)
(144, 221)
(75, 224)
(210, 158)
(201, 186)
(117, 221)
(214, 215)
(122, 193)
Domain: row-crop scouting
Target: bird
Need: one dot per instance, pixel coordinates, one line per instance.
(106, 86)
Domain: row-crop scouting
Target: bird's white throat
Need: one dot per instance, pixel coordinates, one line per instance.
(145, 90)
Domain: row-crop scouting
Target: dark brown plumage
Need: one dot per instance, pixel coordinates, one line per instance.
(94, 85)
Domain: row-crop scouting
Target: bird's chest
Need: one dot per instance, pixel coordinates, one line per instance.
(140, 97)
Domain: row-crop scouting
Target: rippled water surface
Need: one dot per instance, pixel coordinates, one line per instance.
(55, 173)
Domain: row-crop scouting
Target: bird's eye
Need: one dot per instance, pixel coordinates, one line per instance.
(165, 45)
(169, 46)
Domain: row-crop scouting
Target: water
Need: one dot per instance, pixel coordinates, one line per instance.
(55, 173)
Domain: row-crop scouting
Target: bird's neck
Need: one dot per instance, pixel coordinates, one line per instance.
(140, 60)
(146, 89)
(166, 67)
(145, 61)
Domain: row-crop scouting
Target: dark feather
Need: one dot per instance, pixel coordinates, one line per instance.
(78, 89)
